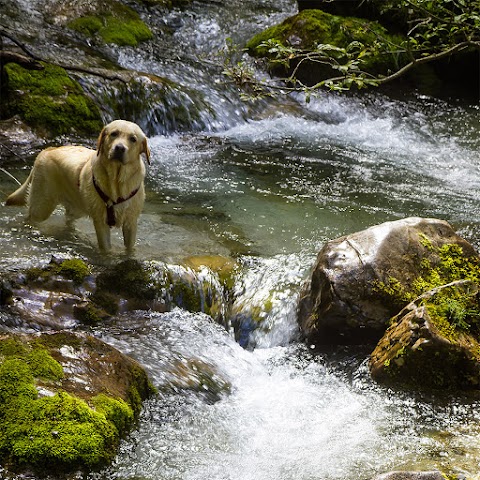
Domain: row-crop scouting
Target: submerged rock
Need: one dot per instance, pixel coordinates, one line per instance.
(361, 280)
(195, 375)
(65, 401)
(432, 475)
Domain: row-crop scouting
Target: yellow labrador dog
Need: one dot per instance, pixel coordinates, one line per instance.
(106, 184)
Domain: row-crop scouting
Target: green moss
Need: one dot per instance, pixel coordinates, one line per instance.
(89, 313)
(141, 387)
(453, 309)
(120, 25)
(49, 100)
(106, 301)
(73, 269)
(12, 346)
(130, 278)
(116, 411)
(185, 296)
(311, 28)
(42, 365)
(60, 431)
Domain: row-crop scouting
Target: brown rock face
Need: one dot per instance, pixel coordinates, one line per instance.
(341, 303)
(420, 351)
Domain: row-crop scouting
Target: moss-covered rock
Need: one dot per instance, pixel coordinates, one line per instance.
(311, 28)
(197, 289)
(50, 101)
(65, 401)
(118, 24)
(63, 275)
(362, 280)
(425, 348)
(393, 14)
(65, 292)
(435, 341)
(129, 278)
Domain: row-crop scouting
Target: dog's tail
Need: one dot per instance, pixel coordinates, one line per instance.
(19, 196)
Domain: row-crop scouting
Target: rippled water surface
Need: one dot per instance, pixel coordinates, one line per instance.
(269, 185)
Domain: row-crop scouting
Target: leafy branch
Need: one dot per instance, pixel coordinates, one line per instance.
(434, 31)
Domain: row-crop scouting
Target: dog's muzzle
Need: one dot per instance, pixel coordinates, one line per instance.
(118, 152)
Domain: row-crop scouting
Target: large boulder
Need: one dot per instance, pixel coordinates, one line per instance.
(65, 401)
(361, 280)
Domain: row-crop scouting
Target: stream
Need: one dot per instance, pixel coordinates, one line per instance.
(268, 184)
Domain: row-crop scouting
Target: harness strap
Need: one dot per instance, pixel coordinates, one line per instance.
(109, 203)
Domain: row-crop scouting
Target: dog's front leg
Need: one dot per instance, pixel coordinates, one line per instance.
(129, 235)
(103, 234)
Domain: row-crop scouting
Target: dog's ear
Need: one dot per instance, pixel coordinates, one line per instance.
(146, 150)
(101, 140)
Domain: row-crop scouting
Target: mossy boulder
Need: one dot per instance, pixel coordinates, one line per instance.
(362, 280)
(65, 401)
(311, 28)
(49, 101)
(112, 23)
(425, 348)
(395, 16)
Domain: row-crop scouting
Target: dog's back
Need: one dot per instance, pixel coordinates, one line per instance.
(52, 181)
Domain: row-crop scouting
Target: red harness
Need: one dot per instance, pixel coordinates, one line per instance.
(109, 203)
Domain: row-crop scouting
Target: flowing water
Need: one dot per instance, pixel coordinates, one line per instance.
(269, 184)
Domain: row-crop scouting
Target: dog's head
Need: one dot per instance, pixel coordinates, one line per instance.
(122, 141)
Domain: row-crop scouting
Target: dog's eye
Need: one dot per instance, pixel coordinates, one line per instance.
(114, 134)
(133, 139)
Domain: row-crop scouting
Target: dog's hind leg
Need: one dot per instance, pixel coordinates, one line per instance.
(41, 201)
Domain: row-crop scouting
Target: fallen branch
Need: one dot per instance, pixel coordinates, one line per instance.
(25, 62)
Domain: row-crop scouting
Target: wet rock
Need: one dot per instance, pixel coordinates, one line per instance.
(6, 293)
(65, 292)
(197, 376)
(17, 140)
(433, 475)
(66, 400)
(427, 348)
(361, 280)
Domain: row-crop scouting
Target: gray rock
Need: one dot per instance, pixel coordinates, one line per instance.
(341, 303)
(433, 475)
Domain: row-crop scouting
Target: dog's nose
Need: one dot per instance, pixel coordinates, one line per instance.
(119, 149)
